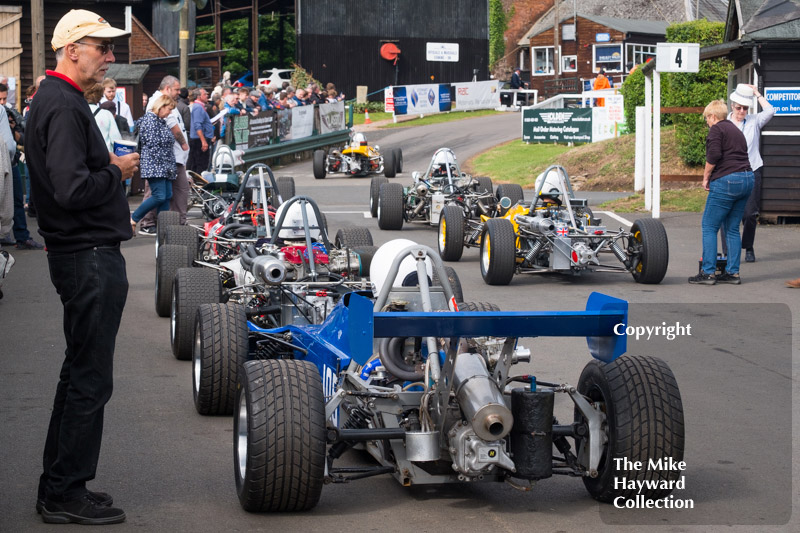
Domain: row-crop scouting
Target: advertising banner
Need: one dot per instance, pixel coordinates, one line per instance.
(608, 121)
(262, 129)
(331, 117)
(557, 125)
(421, 99)
(302, 122)
(477, 95)
(388, 100)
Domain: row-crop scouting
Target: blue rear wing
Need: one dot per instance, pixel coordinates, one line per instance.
(352, 326)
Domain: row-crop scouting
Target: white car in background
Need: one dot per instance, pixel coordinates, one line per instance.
(276, 76)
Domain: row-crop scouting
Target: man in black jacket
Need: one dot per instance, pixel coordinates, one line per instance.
(83, 216)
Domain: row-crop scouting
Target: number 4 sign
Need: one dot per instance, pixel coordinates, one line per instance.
(677, 57)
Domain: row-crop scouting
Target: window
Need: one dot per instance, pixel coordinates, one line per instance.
(608, 56)
(639, 53)
(569, 63)
(542, 60)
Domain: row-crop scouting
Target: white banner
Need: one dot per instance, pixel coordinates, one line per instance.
(302, 121)
(608, 121)
(331, 117)
(477, 95)
(421, 99)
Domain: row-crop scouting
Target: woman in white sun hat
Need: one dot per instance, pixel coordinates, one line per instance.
(742, 99)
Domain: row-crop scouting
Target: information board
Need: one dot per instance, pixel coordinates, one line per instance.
(557, 125)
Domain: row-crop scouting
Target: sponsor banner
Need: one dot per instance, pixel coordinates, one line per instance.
(331, 117)
(302, 121)
(421, 99)
(477, 95)
(388, 100)
(557, 125)
(785, 100)
(262, 129)
(608, 121)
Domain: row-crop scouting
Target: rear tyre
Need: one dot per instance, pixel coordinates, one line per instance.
(451, 233)
(477, 306)
(374, 194)
(398, 160)
(498, 252)
(164, 220)
(644, 420)
(512, 191)
(286, 189)
(279, 436)
(455, 283)
(649, 249)
(390, 206)
(169, 260)
(192, 287)
(220, 348)
(484, 185)
(183, 236)
(353, 237)
(389, 164)
(319, 164)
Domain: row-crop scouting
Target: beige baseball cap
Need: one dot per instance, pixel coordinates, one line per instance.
(80, 23)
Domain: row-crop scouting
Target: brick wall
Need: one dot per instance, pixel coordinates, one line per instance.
(143, 44)
(526, 13)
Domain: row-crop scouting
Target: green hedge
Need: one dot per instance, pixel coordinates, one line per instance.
(685, 90)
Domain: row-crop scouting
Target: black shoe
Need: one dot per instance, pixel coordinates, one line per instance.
(150, 231)
(750, 256)
(703, 279)
(84, 511)
(733, 279)
(101, 498)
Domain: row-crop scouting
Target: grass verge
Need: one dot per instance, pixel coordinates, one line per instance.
(515, 162)
(674, 200)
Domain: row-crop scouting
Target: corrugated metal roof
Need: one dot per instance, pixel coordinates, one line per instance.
(654, 27)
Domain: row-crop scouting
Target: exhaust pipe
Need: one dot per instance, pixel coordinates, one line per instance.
(479, 398)
(268, 268)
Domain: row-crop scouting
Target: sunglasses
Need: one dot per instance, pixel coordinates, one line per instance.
(104, 48)
(741, 107)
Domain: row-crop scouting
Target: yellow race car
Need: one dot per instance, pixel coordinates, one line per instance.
(358, 158)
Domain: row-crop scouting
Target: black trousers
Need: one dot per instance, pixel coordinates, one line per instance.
(93, 287)
(749, 218)
(198, 159)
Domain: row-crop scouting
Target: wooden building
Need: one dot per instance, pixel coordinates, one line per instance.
(761, 38)
(340, 42)
(586, 44)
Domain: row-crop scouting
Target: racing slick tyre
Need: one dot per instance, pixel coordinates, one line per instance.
(365, 255)
(477, 306)
(512, 191)
(319, 164)
(451, 233)
(353, 237)
(164, 220)
(220, 348)
(390, 206)
(285, 189)
(644, 420)
(279, 436)
(398, 160)
(389, 164)
(648, 244)
(484, 185)
(455, 283)
(169, 260)
(183, 236)
(191, 287)
(374, 193)
(498, 252)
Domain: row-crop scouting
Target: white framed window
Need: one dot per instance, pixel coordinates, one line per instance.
(542, 60)
(569, 63)
(639, 53)
(608, 57)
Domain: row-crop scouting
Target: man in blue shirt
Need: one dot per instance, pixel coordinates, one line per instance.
(201, 134)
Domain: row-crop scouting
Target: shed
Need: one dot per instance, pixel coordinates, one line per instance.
(761, 38)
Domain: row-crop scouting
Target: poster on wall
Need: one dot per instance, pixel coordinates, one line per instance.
(302, 122)
(331, 117)
(477, 95)
(557, 125)
(421, 99)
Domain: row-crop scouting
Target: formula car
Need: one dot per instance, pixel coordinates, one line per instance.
(433, 393)
(358, 158)
(442, 184)
(559, 233)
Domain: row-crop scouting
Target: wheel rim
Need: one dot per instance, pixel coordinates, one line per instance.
(241, 437)
(196, 361)
(442, 235)
(173, 318)
(487, 250)
(638, 237)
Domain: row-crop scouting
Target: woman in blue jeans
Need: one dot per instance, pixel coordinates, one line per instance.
(729, 181)
(157, 161)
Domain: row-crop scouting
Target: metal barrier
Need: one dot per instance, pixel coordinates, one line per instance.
(270, 151)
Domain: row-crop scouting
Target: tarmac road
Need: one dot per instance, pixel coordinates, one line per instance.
(171, 469)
